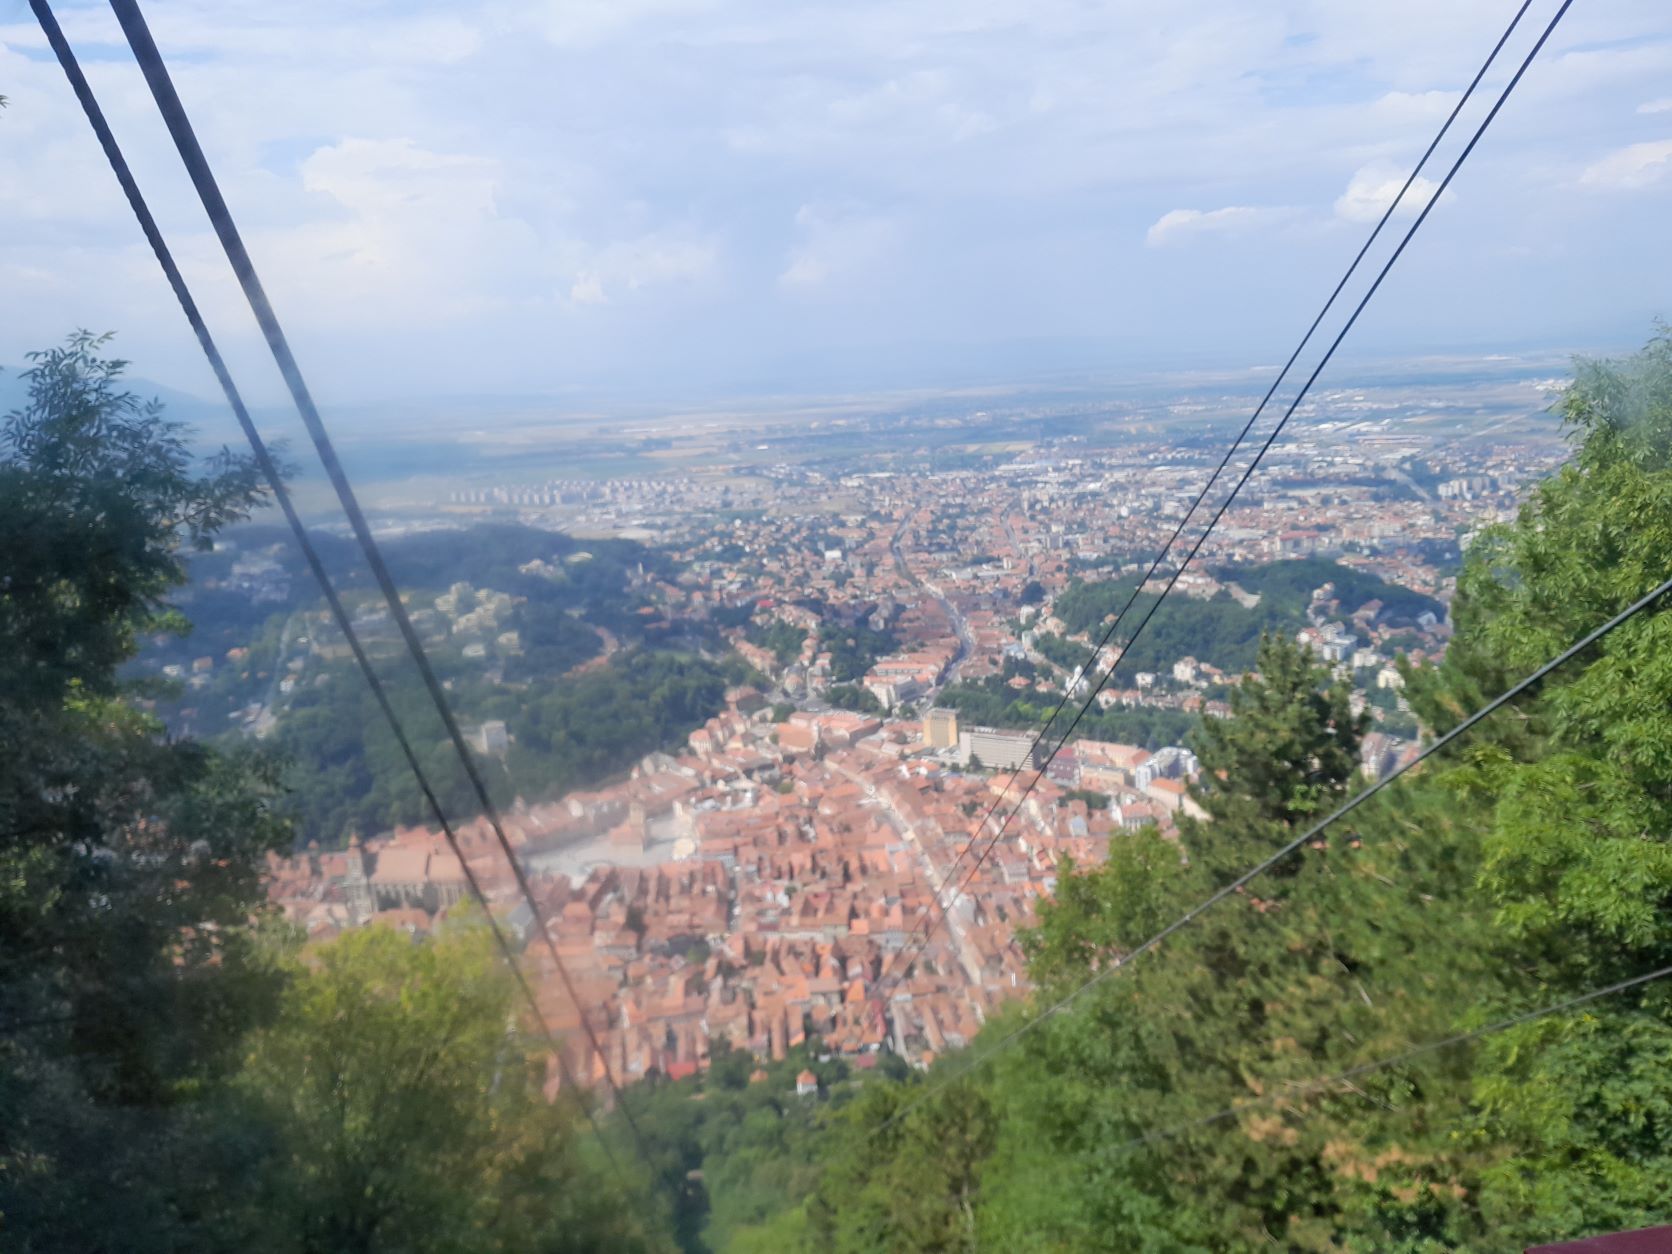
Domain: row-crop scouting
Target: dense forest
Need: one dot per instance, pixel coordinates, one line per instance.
(1290, 583)
(347, 773)
(746, 1140)
(342, 768)
(783, 640)
(1221, 631)
(590, 582)
(853, 649)
(991, 702)
(853, 697)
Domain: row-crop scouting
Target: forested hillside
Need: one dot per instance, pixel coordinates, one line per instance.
(992, 702)
(527, 611)
(255, 577)
(1222, 631)
(565, 732)
(1289, 585)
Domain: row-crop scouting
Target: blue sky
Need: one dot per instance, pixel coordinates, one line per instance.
(520, 198)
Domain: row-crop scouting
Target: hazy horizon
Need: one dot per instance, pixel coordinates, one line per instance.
(371, 419)
(676, 197)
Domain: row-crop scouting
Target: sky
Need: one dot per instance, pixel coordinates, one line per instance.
(487, 198)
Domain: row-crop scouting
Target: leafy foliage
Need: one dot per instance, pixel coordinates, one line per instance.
(402, 1116)
(173, 1076)
(1290, 584)
(565, 592)
(566, 732)
(554, 641)
(755, 1143)
(128, 863)
(784, 640)
(854, 648)
(1221, 631)
(98, 500)
(991, 702)
(1289, 747)
(579, 732)
(853, 697)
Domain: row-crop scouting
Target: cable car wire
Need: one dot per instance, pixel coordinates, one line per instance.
(1091, 662)
(270, 470)
(1287, 850)
(203, 180)
(1248, 472)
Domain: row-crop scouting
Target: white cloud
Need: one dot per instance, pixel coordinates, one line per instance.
(901, 117)
(420, 238)
(400, 232)
(651, 260)
(589, 23)
(477, 176)
(1411, 107)
(1637, 165)
(588, 289)
(1372, 189)
(396, 179)
(924, 99)
(837, 245)
(805, 269)
(1179, 224)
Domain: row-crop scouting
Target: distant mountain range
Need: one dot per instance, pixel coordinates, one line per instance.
(213, 421)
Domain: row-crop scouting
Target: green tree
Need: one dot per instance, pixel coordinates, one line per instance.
(899, 1180)
(853, 697)
(991, 702)
(407, 1110)
(854, 648)
(783, 639)
(567, 731)
(1575, 797)
(1251, 990)
(135, 958)
(1307, 972)
(1290, 746)
(129, 862)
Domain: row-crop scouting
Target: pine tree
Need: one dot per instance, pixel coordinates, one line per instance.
(1286, 754)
